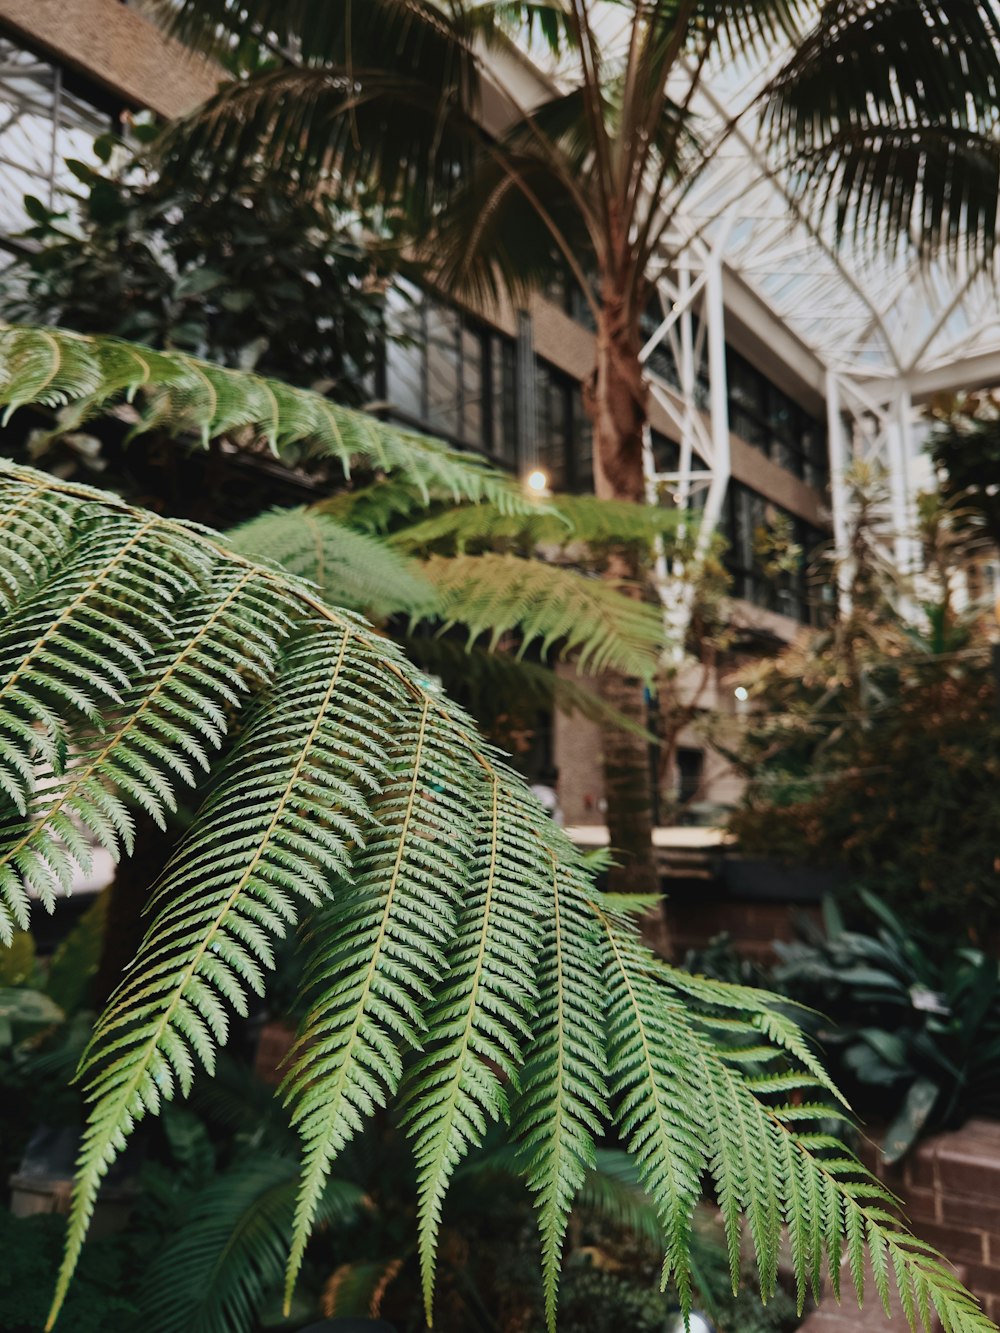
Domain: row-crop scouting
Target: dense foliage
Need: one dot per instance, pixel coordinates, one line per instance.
(913, 1028)
(874, 745)
(244, 276)
(460, 965)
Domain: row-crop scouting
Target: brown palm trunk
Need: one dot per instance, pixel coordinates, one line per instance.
(616, 401)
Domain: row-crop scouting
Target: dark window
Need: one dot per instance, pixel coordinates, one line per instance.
(447, 374)
(564, 434)
(503, 399)
(748, 520)
(690, 771)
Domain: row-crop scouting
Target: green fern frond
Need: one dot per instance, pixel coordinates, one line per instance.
(653, 1084)
(547, 604)
(480, 1016)
(378, 954)
(186, 396)
(488, 683)
(461, 966)
(561, 1109)
(229, 1252)
(559, 521)
(350, 568)
(491, 594)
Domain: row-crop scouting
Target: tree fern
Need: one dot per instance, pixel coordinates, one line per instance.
(561, 521)
(184, 395)
(493, 594)
(351, 569)
(462, 967)
(486, 594)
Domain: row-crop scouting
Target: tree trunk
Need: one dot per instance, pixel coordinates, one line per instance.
(616, 402)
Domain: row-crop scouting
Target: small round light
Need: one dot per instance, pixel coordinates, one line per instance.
(742, 693)
(537, 481)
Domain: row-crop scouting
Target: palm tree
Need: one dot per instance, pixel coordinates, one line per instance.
(885, 110)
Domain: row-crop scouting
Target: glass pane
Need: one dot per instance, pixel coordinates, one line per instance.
(553, 408)
(404, 360)
(504, 404)
(472, 388)
(442, 370)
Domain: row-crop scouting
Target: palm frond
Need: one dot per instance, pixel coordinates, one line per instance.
(889, 116)
(462, 967)
(591, 617)
(882, 184)
(229, 1252)
(350, 568)
(187, 396)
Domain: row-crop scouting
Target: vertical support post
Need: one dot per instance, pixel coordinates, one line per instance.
(837, 446)
(527, 395)
(718, 399)
(899, 441)
(687, 379)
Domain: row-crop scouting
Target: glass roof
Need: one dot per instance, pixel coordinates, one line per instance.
(935, 325)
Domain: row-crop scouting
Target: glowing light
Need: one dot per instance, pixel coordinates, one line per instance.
(537, 481)
(742, 693)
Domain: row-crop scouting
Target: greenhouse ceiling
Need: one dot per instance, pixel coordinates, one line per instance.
(927, 326)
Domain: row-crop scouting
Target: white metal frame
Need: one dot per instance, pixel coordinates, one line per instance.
(877, 334)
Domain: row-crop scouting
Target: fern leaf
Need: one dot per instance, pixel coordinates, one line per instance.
(454, 934)
(379, 955)
(561, 1109)
(480, 1018)
(184, 395)
(163, 735)
(350, 568)
(280, 821)
(652, 1085)
(562, 521)
(493, 594)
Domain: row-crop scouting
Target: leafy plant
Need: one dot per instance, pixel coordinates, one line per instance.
(248, 276)
(874, 745)
(916, 1031)
(461, 966)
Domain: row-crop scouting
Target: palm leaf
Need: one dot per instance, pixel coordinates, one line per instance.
(889, 114)
(462, 967)
(216, 1270)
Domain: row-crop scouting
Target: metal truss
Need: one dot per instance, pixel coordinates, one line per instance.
(42, 123)
(874, 424)
(880, 333)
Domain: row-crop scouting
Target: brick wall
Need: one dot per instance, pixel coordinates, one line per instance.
(950, 1187)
